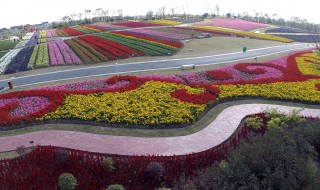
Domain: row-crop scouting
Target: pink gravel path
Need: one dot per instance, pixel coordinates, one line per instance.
(216, 133)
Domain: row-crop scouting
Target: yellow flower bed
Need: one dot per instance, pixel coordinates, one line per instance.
(308, 68)
(167, 22)
(149, 104)
(304, 91)
(244, 33)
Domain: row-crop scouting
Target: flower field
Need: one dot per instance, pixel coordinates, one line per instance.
(148, 101)
(308, 38)
(166, 22)
(286, 30)
(136, 24)
(235, 33)
(96, 48)
(237, 24)
(173, 99)
(168, 35)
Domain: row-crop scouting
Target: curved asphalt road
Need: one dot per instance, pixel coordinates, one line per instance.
(145, 66)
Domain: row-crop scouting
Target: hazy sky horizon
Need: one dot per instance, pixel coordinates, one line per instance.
(20, 12)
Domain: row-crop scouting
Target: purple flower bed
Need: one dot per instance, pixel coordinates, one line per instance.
(55, 55)
(162, 34)
(87, 85)
(27, 105)
(287, 30)
(300, 38)
(156, 77)
(34, 39)
(235, 24)
(69, 56)
(51, 33)
(20, 61)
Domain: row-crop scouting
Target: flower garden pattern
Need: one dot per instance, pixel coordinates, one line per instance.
(167, 100)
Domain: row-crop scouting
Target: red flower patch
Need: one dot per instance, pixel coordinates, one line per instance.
(219, 75)
(210, 94)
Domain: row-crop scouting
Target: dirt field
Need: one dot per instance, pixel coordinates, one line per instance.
(200, 47)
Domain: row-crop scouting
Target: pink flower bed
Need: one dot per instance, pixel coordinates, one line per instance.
(69, 56)
(55, 55)
(162, 34)
(235, 24)
(51, 33)
(87, 85)
(27, 105)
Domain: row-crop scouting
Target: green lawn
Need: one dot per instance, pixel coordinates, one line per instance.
(7, 44)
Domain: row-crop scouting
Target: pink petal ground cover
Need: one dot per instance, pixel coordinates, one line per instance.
(27, 105)
(162, 34)
(69, 56)
(51, 33)
(235, 24)
(87, 85)
(55, 55)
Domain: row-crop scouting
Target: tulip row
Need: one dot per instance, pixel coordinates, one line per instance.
(162, 34)
(20, 61)
(85, 52)
(51, 33)
(84, 30)
(56, 57)
(146, 46)
(34, 39)
(171, 43)
(43, 34)
(6, 59)
(39, 57)
(110, 49)
(166, 22)
(69, 32)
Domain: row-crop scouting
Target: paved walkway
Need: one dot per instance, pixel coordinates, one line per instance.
(217, 132)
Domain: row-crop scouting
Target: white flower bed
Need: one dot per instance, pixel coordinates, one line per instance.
(6, 59)
(25, 38)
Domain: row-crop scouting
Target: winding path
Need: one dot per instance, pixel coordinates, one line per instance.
(216, 133)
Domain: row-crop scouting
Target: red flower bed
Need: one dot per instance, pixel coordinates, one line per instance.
(95, 27)
(40, 168)
(133, 24)
(219, 75)
(71, 31)
(170, 43)
(6, 118)
(114, 48)
(207, 96)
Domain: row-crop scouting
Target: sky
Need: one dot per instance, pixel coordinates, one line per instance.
(20, 12)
